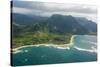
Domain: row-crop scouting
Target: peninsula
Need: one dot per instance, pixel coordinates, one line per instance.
(27, 39)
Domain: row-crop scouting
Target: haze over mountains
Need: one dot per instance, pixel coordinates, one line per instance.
(58, 23)
(55, 17)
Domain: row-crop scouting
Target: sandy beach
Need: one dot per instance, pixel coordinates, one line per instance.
(63, 46)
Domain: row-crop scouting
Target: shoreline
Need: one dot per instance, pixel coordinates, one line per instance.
(63, 46)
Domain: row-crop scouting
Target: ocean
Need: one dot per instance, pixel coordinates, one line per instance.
(83, 49)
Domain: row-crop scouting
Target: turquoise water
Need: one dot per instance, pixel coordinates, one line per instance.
(83, 49)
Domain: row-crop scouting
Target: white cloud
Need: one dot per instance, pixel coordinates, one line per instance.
(47, 9)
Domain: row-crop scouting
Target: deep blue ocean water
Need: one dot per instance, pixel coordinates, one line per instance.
(83, 49)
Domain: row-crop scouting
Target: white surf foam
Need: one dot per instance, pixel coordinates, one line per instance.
(88, 50)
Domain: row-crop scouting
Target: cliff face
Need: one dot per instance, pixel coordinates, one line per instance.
(63, 24)
(58, 23)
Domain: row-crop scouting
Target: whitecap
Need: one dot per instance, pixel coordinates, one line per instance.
(92, 42)
(88, 50)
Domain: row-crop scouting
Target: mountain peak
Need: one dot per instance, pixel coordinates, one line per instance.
(60, 15)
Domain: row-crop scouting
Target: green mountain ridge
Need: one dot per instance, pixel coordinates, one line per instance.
(57, 29)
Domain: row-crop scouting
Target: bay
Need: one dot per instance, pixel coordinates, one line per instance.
(84, 49)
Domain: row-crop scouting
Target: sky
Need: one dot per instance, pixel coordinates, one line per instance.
(48, 9)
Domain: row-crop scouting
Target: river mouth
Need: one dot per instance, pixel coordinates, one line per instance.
(80, 51)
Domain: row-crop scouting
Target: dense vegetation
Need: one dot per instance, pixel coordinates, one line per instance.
(56, 29)
(36, 34)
